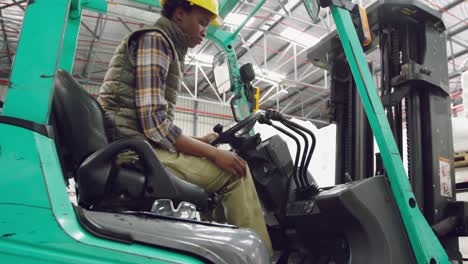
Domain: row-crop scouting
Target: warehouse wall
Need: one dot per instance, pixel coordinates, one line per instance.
(193, 117)
(198, 118)
(3, 89)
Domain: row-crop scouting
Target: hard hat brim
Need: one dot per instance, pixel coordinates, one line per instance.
(217, 21)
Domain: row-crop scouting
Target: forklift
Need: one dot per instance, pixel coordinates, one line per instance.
(52, 130)
(348, 223)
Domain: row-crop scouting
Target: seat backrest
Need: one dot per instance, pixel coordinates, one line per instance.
(79, 118)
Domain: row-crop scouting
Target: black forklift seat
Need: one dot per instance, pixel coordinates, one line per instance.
(79, 124)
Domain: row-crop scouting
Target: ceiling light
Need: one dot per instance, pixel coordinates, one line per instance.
(236, 19)
(254, 38)
(266, 75)
(299, 37)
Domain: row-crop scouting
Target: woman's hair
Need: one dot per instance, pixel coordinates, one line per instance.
(171, 5)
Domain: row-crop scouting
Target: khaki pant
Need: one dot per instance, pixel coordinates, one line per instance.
(240, 201)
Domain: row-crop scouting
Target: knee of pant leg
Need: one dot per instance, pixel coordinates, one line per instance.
(231, 183)
(248, 174)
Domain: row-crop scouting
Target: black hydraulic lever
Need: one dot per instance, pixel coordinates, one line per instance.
(302, 168)
(264, 120)
(312, 148)
(311, 188)
(277, 116)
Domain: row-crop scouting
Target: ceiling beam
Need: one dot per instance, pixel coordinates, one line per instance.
(457, 31)
(458, 54)
(124, 24)
(13, 4)
(14, 1)
(90, 30)
(453, 4)
(5, 39)
(282, 48)
(457, 72)
(459, 43)
(97, 35)
(244, 50)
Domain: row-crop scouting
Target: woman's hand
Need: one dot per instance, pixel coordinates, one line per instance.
(226, 160)
(230, 162)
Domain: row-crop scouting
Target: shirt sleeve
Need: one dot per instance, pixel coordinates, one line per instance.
(153, 58)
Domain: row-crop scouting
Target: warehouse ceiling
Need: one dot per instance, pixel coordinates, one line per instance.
(275, 41)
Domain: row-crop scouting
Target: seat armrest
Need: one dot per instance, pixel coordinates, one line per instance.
(158, 182)
(103, 160)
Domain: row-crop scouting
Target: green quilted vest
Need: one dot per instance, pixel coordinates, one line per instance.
(117, 93)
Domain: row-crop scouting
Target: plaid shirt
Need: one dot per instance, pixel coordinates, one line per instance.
(153, 58)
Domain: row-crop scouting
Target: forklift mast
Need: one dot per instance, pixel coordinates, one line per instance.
(415, 94)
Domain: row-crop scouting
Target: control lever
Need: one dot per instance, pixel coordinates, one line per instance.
(312, 148)
(264, 120)
(310, 188)
(218, 128)
(277, 116)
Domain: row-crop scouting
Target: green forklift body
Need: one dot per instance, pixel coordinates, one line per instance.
(38, 223)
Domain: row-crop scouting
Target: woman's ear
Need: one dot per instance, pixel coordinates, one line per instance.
(178, 15)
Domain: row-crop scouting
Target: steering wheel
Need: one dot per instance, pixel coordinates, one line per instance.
(241, 128)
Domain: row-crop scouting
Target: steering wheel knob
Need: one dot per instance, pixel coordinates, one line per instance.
(218, 128)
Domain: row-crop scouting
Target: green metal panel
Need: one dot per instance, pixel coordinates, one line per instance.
(19, 171)
(31, 235)
(65, 215)
(426, 246)
(67, 56)
(226, 6)
(226, 41)
(36, 59)
(38, 223)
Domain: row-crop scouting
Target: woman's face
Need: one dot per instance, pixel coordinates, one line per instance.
(194, 23)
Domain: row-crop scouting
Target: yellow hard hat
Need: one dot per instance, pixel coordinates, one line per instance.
(210, 5)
